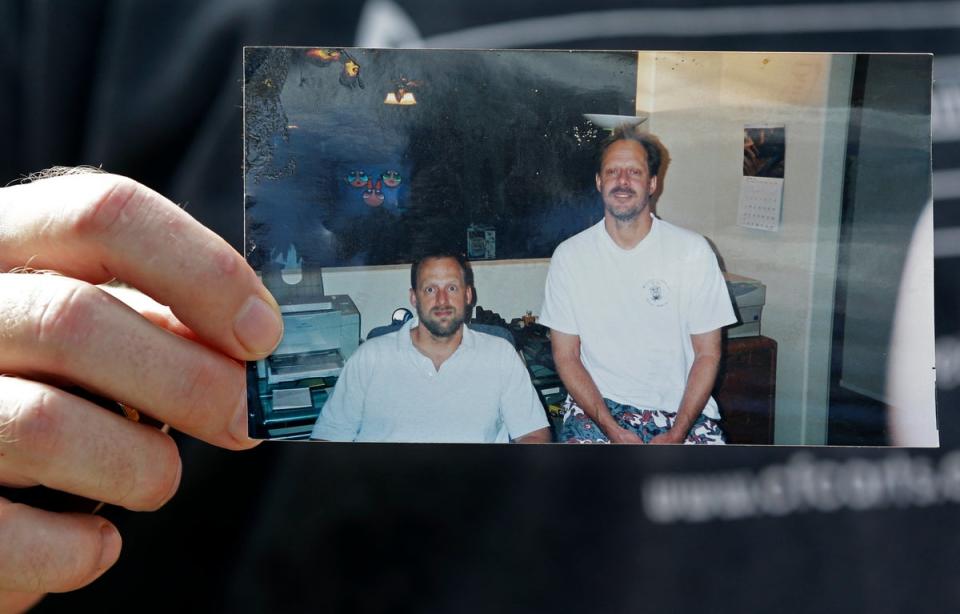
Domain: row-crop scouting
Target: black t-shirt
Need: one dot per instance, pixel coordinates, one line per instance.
(152, 91)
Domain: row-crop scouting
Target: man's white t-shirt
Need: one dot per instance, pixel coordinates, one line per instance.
(390, 392)
(634, 310)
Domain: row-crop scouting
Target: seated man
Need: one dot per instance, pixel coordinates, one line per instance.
(439, 382)
(635, 306)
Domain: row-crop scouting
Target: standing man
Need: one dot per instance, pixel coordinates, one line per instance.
(435, 380)
(635, 305)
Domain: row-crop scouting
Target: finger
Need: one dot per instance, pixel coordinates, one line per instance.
(154, 312)
(96, 227)
(49, 552)
(53, 438)
(70, 329)
(13, 601)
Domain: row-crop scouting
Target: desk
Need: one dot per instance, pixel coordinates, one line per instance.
(269, 423)
(745, 389)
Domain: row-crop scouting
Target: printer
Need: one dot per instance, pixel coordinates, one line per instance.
(318, 338)
(294, 382)
(749, 296)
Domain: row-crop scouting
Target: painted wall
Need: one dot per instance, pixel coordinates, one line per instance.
(509, 288)
(700, 105)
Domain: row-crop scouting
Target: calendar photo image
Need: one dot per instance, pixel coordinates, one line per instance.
(764, 163)
(554, 246)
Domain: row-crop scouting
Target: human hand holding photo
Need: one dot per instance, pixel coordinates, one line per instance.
(170, 345)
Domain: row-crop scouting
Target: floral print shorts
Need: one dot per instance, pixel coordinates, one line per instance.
(647, 423)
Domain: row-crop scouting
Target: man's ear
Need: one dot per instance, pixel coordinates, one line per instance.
(413, 298)
(469, 295)
(653, 185)
(599, 189)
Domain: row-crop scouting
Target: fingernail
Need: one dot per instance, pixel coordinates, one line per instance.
(109, 546)
(258, 326)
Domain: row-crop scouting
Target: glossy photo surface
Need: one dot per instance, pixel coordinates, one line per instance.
(808, 176)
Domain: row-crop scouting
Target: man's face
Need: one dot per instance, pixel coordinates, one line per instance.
(441, 296)
(624, 180)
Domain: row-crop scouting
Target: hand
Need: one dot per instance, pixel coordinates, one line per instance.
(619, 434)
(538, 436)
(671, 436)
(64, 329)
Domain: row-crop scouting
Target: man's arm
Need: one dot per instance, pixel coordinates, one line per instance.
(92, 228)
(341, 417)
(566, 355)
(537, 436)
(703, 374)
(520, 407)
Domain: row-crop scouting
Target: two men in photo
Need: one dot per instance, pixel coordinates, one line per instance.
(635, 306)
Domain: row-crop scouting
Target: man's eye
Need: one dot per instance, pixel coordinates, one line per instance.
(452, 289)
(430, 290)
(634, 172)
(610, 172)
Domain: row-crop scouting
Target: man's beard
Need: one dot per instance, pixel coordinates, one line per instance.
(625, 216)
(436, 328)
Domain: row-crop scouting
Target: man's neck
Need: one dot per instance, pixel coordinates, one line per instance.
(628, 234)
(437, 349)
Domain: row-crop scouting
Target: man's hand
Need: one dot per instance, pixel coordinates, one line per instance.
(671, 436)
(537, 436)
(703, 374)
(179, 364)
(619, 434)
(566, 355)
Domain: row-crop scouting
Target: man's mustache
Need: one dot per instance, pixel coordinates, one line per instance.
(626, 191)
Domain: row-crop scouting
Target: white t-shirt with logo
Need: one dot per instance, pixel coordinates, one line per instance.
(634, 310)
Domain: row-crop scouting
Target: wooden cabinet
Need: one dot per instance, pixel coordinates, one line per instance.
(745, 389)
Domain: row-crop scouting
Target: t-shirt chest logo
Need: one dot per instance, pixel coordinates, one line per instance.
(657, 292)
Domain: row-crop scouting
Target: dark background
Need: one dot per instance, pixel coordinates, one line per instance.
(153, 91)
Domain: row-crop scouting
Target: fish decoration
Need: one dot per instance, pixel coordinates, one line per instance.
(350, 75)
(373, 195)
(391, 178)
(357, 179)
(323, 57)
